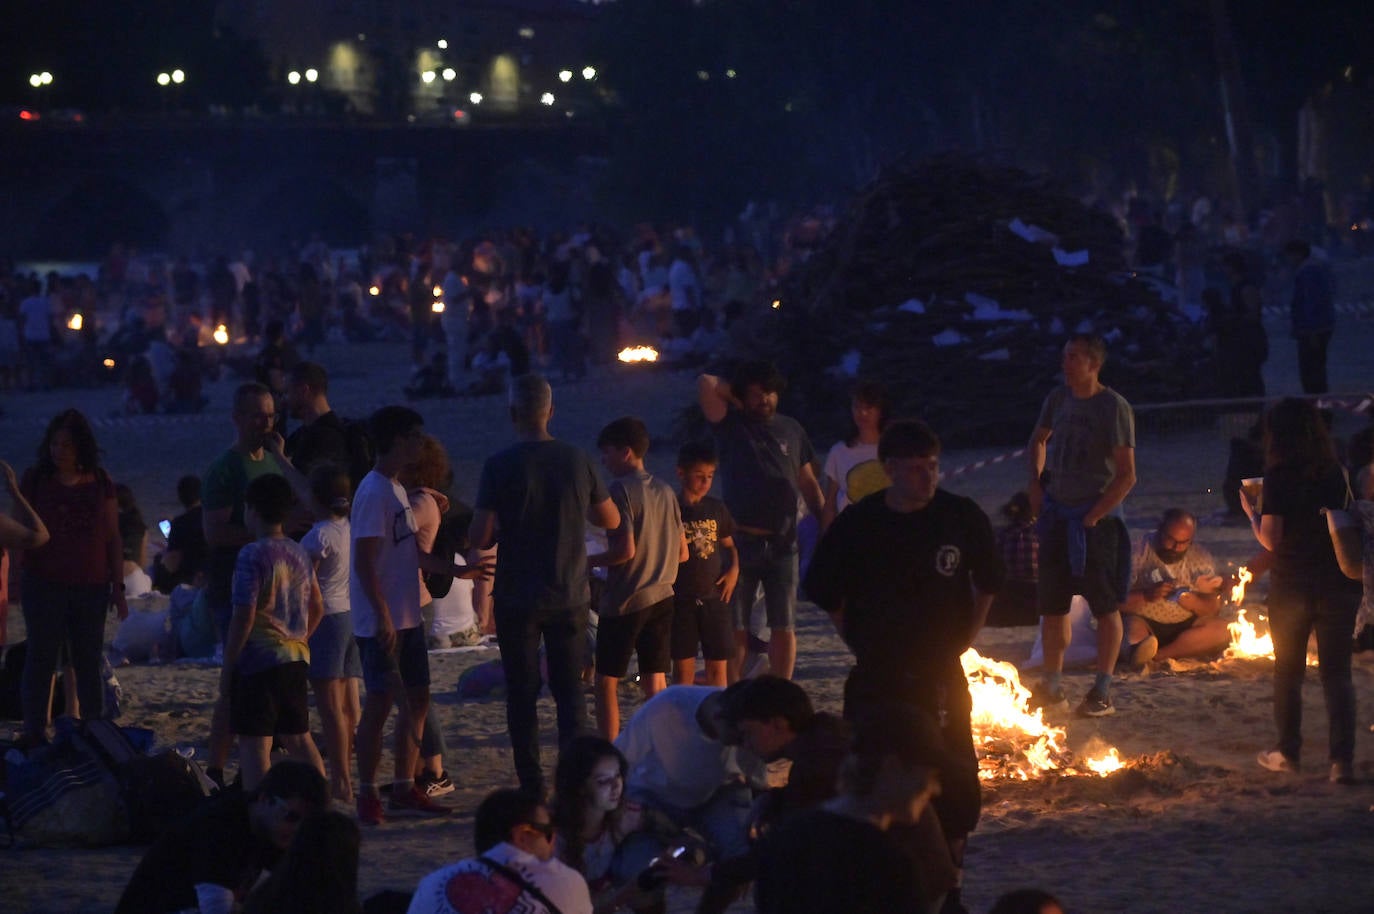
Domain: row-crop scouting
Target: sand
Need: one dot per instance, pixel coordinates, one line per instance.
(1191, 824)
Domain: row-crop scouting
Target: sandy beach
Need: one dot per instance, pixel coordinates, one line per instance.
(1190, 824)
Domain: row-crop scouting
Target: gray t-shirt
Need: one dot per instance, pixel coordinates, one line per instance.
(540, 492)
(1079, 464)
(759, 466)
(651, 511)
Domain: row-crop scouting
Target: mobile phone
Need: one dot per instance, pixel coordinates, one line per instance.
(166, 527)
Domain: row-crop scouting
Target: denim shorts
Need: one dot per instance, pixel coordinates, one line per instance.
(333, 652)
(410, 659)
(772, 563)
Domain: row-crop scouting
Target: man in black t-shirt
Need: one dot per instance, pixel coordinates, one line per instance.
(536, 497)
(907, 575)
(321, 437)
(210, 860)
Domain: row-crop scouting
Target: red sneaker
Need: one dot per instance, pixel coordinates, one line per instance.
(416, 803)
(370, 809)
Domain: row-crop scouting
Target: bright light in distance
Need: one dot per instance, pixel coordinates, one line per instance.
(311, 75)
(109, 363)
(437, 307)
(428, 76)
(178, 77)
(450, 74)
(475, 98)
(730, 74)
(222, 335)
(546, 98)
(438, 291)
(442, 44)
(164, 79)
(703, 75)
(589, 73)
(525, 32)
(294, 78)
(46, 78)
(565, 76)
(777, 303)
(374, 291)
(35, 80)
(74, 322)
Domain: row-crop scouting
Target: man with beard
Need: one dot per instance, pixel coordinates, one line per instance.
(766, 460)
(1172, 609)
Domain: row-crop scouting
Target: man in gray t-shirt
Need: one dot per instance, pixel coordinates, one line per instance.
(1082, 465)
(536, 497)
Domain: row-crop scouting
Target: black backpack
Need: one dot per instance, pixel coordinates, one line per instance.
(451, 538)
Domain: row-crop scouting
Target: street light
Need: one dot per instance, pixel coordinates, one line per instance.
(294, 78)
(178, 77)
(164, 79)
(35, 80)
(450, 74)
(589, 73)
(547, 98)
(312, 75)
(443, 44)
(565, 76)
(475, 98)
(428, 76)
(45, 77)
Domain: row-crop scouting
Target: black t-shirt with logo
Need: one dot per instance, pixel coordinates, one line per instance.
(705, 523)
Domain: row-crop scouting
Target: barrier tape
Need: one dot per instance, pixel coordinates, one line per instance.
(1000, 458)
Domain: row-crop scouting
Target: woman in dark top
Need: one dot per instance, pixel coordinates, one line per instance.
(69, 582)
(1308, 591)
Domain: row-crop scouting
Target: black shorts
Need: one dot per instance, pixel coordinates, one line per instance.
(646, 632)
(1168, 632)
(705, 621)
(271, 702)
(1102, 572)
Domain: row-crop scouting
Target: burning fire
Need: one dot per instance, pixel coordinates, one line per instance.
(1246, 640)
(1012, 740)
(1243, 577)
(638, 354)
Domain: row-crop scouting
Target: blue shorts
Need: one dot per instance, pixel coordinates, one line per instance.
(333, 652)
(410, 659)
(768, 561)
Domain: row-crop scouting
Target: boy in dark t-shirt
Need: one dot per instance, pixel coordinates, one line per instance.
(706, 581)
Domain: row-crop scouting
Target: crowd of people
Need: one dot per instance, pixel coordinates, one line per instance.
(319, 561)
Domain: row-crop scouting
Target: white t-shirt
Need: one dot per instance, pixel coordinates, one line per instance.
(671, 761)
(682, 285)
(381, 509)
(37, 314)
(330, 545)
(855, 471)
(472, 887)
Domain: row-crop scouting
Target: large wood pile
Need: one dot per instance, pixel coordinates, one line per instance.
(925, 284)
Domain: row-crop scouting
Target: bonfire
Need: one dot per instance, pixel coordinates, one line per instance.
(1013, 741)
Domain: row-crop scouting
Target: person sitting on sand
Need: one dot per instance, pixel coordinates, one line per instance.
(514, 870)
(210, 860)
(1172, 609)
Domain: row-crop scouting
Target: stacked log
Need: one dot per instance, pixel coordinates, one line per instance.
(956, 282)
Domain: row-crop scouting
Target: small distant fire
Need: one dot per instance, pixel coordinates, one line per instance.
(631, 354)
(1014, 742)
(222, 335)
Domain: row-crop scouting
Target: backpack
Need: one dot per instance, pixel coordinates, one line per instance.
(361, 453)
(448, 541)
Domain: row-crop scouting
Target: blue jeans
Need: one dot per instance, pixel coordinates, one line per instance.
(1327, 607)
(54, 614)
(518, 633)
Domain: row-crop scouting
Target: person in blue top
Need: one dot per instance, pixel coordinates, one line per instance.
(1313, 313)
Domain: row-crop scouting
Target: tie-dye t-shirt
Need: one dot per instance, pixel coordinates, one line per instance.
(273, 575)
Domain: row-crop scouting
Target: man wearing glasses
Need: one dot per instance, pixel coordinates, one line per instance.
(1173, 608)
(514, 870)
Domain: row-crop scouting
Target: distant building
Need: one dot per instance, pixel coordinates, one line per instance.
(424, 58)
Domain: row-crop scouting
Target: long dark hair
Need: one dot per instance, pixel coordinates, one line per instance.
(83, 440)
(575, 764)
(871, 393)
(1295, 434)
(319, 872)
